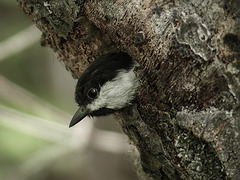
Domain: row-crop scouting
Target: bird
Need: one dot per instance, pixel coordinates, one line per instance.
(109, 84)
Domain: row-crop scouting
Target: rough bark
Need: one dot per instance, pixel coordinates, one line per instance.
(186, 123)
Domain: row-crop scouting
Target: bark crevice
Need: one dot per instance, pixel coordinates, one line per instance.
(186, 124)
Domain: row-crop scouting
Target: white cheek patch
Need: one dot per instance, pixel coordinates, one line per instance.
(117, 93)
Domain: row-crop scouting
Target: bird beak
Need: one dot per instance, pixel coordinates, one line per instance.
(81, 113)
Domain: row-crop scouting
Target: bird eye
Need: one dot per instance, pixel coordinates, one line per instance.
(92, 93)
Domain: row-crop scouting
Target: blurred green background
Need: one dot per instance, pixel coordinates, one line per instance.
(36, 104)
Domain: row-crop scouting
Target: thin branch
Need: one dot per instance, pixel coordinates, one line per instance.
(33, 125)
(19, 42)
(19, 96)
(103, 140)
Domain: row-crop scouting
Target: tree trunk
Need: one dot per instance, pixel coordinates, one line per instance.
(186, 123)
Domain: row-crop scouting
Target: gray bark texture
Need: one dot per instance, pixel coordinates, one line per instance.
(186, 122)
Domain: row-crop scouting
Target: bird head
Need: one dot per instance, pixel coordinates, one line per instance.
(106, 86)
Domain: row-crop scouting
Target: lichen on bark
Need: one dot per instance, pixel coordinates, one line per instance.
(186, 121)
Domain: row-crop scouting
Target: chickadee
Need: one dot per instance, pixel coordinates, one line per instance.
(107, 85)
